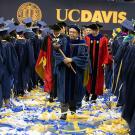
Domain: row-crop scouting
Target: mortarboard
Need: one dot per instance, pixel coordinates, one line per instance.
(99, 25)
(41, 23)
(62, 24)
(86, 26)
(20, 28)
(16, 23)
(27, 20)
(11, 27)
(93, 26)
(75, 27)
(35, 27)
(55, 27)
(7, 22)
(128, 25)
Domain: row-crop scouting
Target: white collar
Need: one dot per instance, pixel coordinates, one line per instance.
(56, 36)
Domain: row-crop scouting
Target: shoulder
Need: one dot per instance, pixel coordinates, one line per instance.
(88, 37)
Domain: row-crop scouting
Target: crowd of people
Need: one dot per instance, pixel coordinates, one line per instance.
(70, 62)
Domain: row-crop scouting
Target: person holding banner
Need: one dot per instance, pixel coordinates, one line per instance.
(46, 65)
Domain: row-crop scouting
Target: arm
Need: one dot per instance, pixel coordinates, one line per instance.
(81, 60)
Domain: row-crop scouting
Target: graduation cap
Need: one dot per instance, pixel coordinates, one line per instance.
(3, 31)
(128, 25)
(7, 22)
(1, 20)
(99, 25)
(62, 24)
(55, 27)
(11, 27)
(27, 20)
(93, 26)
(75, 27)
(85, 26)
(35, 27)
(41, 23)
(20, 28)
(16, 23)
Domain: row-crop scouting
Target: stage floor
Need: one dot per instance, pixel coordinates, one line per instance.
(34, 115)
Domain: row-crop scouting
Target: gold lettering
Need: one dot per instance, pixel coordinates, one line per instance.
(121, 17)
(106, 16)
(58, 11)
(97, 17)
(86, 16)
(115, 16)
(70, 15)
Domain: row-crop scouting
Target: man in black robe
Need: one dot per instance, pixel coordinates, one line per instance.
(70, 89)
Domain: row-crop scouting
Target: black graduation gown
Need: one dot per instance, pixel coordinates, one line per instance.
(116, 50)
(26, 60)
(62, 40)
(29, 34)
(8, 68)
(70, 85)
(129, 105)
(1, 75)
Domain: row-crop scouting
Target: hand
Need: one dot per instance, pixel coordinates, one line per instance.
(104, 66)
(56, 46)
(68, 65)
(67, 60)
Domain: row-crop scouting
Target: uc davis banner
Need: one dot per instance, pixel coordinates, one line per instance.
(82, 12)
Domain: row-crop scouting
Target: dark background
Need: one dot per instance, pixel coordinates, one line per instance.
(8, 8)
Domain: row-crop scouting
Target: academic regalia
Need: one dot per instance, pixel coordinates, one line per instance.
(132, 125)
(30, 35)
(47, 58)
(119, 90)
(12, 33)
(41, 24)
(1, 75)
(14, 63)
(25, 58)
(117, 47)
(109, 66)
(25, 55)
(46, 31)
(8, 68)
(98, 56)
(36, 42)
(117, 41)
(70, 88)
(119, 60)
(129, 104)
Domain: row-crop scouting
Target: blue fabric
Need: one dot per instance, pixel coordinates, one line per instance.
(27, 20)
(26, 61)
(95, 38)
(70, 85)
(20, 28)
